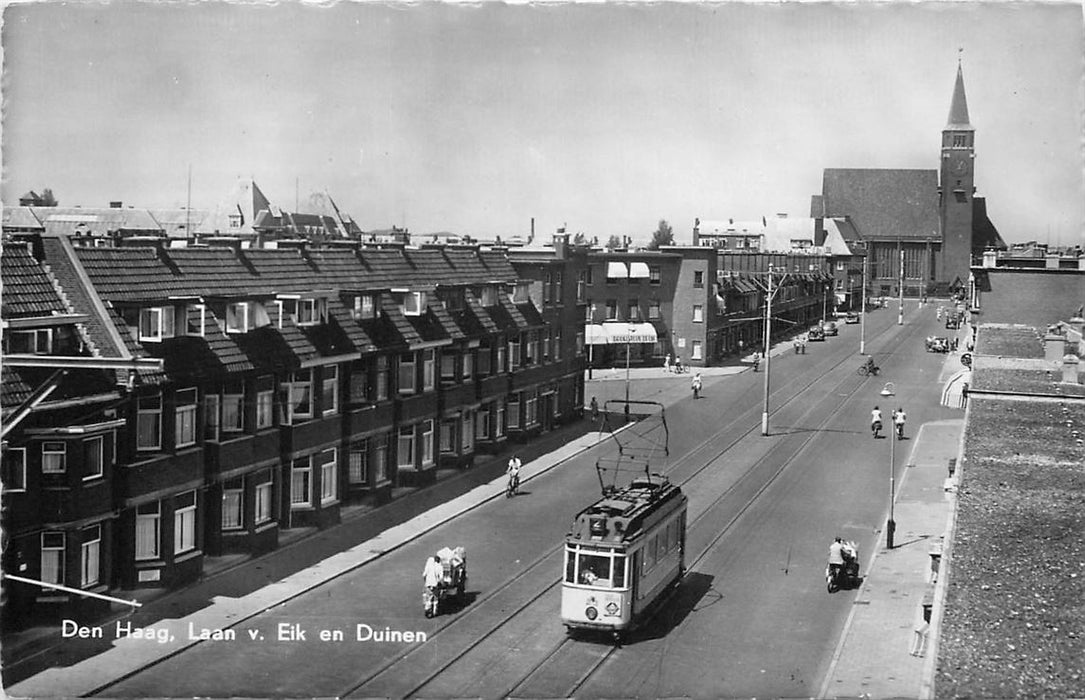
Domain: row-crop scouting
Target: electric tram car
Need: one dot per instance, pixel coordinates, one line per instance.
(623, 555)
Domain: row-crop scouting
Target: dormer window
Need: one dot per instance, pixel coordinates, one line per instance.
(156, 323)
(243, 316)
(365, 307)
(489, 295)
(197, 313)
(235, 220)
(521, 293)
(304, 311)
(414, 303)
(34, 342)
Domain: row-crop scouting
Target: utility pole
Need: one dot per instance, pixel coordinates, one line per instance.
(768, 340)
(862, 310)
(900, 288)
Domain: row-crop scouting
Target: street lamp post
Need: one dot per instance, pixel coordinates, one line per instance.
(900, 288)
(768, 339)
(891, 526)
(862, 310)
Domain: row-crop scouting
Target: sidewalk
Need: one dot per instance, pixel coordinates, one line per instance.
(232, 584)
(885, 639)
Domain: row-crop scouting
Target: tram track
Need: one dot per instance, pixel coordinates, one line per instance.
(536, 673)
(786, 395)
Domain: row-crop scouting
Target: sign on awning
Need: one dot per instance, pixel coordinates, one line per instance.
(619, 333)
(595, 334)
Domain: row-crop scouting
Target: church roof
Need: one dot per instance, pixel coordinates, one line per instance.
(884, 203)
(958, 108)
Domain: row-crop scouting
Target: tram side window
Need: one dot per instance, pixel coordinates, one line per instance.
(665, 540)
(649, 555)
(619, 572)
(675, 533)
(593, 568)
(570, 566)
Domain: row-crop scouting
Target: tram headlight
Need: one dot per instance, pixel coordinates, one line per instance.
(591, 613)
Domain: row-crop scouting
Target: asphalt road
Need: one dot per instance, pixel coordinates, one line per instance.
(751, 618)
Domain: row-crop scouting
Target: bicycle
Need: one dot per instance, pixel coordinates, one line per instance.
(865, 370)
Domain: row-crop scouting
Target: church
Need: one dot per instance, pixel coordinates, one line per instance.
(929, 221)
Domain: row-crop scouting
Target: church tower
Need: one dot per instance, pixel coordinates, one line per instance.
(957, 189)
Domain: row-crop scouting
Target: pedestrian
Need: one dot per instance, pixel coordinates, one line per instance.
(696, 386)
(667, 363)
(594, 409)
(678, 365)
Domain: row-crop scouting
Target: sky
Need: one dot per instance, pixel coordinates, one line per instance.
(479, 119)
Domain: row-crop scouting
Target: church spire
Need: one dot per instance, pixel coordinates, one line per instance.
(958, 108)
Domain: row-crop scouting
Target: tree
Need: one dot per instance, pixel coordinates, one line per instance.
(47, 198)
(663, 235)
(614, 242)
(580, 238)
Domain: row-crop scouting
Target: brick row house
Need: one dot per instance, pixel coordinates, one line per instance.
(292, 381)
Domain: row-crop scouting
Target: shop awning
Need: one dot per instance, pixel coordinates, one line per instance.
(619, 333)
(617, 270)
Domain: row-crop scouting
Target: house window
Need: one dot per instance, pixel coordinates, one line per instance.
(301, 483)
(358, 462)
(329, 475)
(149, 422)
(265, 409)
(489, 296)
(501, 350)
(589, 312)
(485, 360)
(467, 432)
(482, 424)
(54, 457)
(414, 303)
(532, 348)
(697, 353)
(839, 265)
(184, 522)
(407, 379)
(300, 396)
(468, 365)
(499, 420)
(93, 457)
(211, 403)
(427, 443)
(233, 410)
(263, 509)
(14, 473)
(580, 282)
(653, 309)
(238, 317)
(35, 342)
(530, 409)
(52, 557)
(546, 342)
(380, 457)
(184, 417)
(330, 397)
(148, 517)
(448, 435)
(364, 307)
(514, 352)
(429, 367)
(310, 311)
(448, 368)
(654, 274)
(233, 501)
(199, 312)
(382, 377)
(612, 309)
(547, 292)
(514, 411)
(521, 293)
(156, 323)
(90, 556)
(405, 447)
(557, 343)
(840, 284)
(588, 274)
(698, 313)
(579, 343)
(558, 288)
(634, 310)
(698, 278)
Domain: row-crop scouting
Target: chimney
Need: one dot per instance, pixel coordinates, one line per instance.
(1054, 344)
(1051, 261)
(1069, 369)
(990, 258)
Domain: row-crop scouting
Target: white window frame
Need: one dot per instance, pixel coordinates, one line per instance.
(448, 436)
(365, 307)
(468, 365)
(57, 544)
(91, 447)
(184, 522)
(358, 462)
(653, 310)
(329, 474)
(383, 373)
(482, 424)
(54, 457)
(408, 364)
(427, 443)
(414, 303)
(233, 508)
(429, 369)
(184, 417)
(557, 344)
(265, 408)
(242, 309)
(300, 383)
(521, 293)
(183, 312)
(379, 463)
(448, 367)
(330, 389)
(156, 323)
(697, 351)
(655, 274)
(301, 492)
(14, 470)
(212, 404)
(514, 353)
(513, 412)
(233, 413)
(531, 409)
(146, 517)
(500, 414)
(467, 432)
(154, 413)
(90, 556)
(33, 342)
(405, 447)
(698, 313)
(264, 502)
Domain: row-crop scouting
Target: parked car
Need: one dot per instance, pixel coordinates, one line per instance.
(831, 329)
(851, 317)
(816, 333)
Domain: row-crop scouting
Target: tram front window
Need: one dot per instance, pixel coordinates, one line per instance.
(594, 570)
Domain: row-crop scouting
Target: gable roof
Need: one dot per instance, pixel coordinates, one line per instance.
(884, 204)
(28, 290)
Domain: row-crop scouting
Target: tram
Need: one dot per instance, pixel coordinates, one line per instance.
(623, 555)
